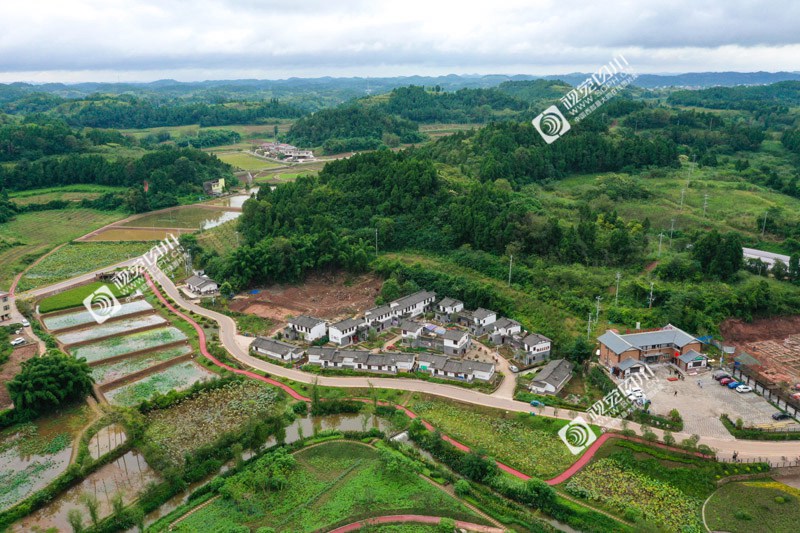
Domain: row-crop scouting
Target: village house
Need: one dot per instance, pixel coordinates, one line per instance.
(379, 318)
(347, 331)
(306, 328)
(502, 329)
(410, 330)
(413, 304)
(202, 285)
(692, 361)
(214, 187)
(661, 345)
(536, 348)
(478, 320)
(447, 309)
(361, 360)
(552, 377)
(276, 349)
(441, 366)
(5, 306)
(456, 342)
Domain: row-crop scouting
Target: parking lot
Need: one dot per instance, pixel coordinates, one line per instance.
(701, 401)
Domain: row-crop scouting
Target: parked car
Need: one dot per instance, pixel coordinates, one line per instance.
(723, 376)
(25, 323)
(17, 341)
(734, 384)
(725, 381)
(744, 388)
(513, 368)
(780, 415)
(719, 374)
(796, 396)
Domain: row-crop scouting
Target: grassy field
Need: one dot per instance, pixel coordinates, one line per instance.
(529, 444)
(245, 161)
(30, 235)
(74, 297)
(185, 217)
(222, 238)
(330, 484)
(79, 258)
(68, 192)
(742, 507)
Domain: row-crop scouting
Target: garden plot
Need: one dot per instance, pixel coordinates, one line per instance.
(109, 329)
(177, 377)
(129, 476)
(124, 344)
(199, 420)
(114, 371)
(34, 453)
(79, 318)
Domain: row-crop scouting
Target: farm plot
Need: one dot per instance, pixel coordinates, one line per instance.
(529, 444)
(177, 377)
(73, 298)
(107, 439)
(34, 453)
(199, 420)
(79, 318)
(129, 476)
(111, 328)
(742, 507)
(78, 258)
(185, 217)
(113, 371)
(320, 487)
(128, 343)
(246, 161)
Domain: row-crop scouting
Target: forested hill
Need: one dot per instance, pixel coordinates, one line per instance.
(776, 97)
(464, 106)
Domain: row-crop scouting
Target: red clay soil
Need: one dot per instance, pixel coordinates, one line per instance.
(11, 368)
(415, 518)
(775, 342)
(736, 331)
(321, 295)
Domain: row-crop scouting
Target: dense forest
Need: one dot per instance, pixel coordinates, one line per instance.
(463, 106)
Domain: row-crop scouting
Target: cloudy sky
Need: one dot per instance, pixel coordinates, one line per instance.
(143, 40)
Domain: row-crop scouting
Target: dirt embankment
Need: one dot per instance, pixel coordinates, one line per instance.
(11, 368)
(736, 331)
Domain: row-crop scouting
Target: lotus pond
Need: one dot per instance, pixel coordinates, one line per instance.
(123, 344)
(68, 320)
(177, 377)
(114, 371)
(111, 328)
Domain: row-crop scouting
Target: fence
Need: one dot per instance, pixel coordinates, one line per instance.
(784, 462)
(768, 393)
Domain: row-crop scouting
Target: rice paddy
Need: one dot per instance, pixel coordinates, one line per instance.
(110, 328)
(113, 371)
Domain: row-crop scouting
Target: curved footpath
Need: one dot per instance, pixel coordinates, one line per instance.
(747, 449)
(415, 518)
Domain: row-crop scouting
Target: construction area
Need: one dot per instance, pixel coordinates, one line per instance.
(774, 342)
(330, 296)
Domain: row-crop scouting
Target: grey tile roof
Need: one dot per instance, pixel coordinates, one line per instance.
(306, 321)
(534, 338)
(410, 325)
(458, 366)
(413, 299)
(199, 281)
(628, 363)
(379, 311)
(481, 313)
(619, 343)
(449, 302)
(614, 342)
(554, 372)
(347, 324)
(454, 334)
(390, 358)
(690, 356)
(505, 323)
(274, 346)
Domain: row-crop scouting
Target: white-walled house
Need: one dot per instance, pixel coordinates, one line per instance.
(456, 342)
(552, 377)
(346, 331)
(202, 285)
(360, 360)
(536, 348)
(505, 327)
(276, 349)
(413, 304)
(379, 318)
(306, 328)
(441, 366)
(410, 329)
(478, 321)
(447, 308)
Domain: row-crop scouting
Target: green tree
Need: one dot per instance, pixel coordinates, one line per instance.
(779, 270)
(49, 382)
(75, 519)
(92, 505)
(462, 487)
(794, 267)
(540, 493)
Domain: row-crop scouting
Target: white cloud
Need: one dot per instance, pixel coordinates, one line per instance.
(207, 39)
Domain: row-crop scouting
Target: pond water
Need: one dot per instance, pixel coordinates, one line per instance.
(184, 217)
(107, 439)
(299, 429)
(110, 328)
(113, 371)
(236, 200)
(177, 377)
(80, 318)
(143, 340)
(128, 475)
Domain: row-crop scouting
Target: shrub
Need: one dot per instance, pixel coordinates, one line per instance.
(462, 487)
(742, 515)
(300, 408)
(447, 525)
(669, 440)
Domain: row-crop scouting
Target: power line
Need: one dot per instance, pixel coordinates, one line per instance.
(510, 262)
(705, 204)
(616, 294)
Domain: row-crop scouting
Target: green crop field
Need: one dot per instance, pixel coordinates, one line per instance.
(79, 258)
(221, 238)
(74, 297)
(742, 507)
(176, 377)
(322, 486)
(69, 193)
(30, 235)
(185, 217)
(245, 161)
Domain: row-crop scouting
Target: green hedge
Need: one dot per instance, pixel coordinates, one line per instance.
(757, 434)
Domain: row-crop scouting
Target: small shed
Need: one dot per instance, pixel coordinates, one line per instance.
(692, 360)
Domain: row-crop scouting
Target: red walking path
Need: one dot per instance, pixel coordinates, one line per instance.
(419, 519)
(565, 475)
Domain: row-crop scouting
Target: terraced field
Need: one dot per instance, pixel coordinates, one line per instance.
(78, 318)
(114, 371)
(177, 377)
(111, 328)
(128, 343)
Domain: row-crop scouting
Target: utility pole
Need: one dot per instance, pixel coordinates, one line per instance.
(764, 225)
(660, 238)
(683, 192)
(616, 294)
(589, 327)
(651, 295)
(671, 231)
(597, 316)
(510, 262)
(376, 242)
(705, 204)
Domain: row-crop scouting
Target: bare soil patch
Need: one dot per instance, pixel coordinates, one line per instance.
(331, 296)
(775, 342)
(11, 368)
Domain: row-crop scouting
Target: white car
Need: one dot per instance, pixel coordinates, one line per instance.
(635, 393)
(17, 341)
(744, 388)
(25, 323)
